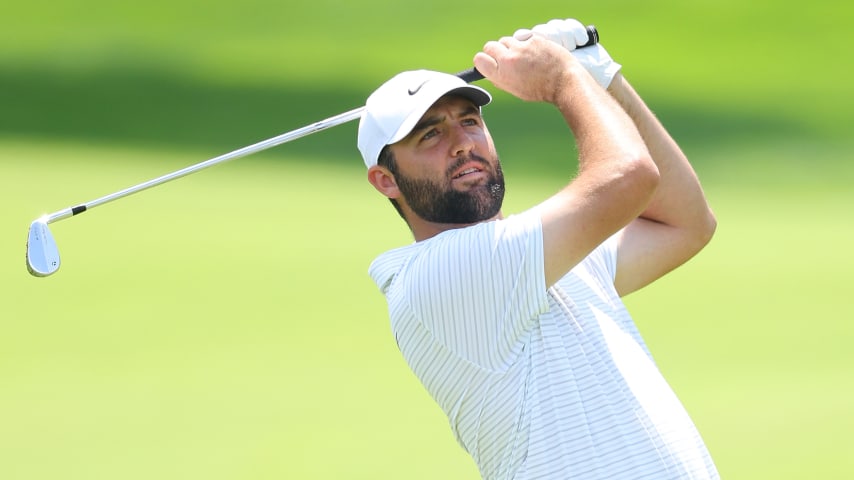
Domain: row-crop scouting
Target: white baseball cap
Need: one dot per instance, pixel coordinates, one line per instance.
(392, 111)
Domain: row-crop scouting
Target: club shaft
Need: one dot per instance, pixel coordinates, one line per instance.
(241, 152)
(469, 76)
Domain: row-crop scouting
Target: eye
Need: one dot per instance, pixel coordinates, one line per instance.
(471, 122)
(430, 134)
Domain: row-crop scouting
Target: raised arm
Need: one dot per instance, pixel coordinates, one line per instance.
(616, 177)
(678, 222)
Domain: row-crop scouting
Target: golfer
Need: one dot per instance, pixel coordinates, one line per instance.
(515, 324)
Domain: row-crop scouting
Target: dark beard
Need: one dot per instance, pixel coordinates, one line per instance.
(439, 202)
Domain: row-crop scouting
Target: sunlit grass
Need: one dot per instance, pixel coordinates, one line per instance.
(224, 325)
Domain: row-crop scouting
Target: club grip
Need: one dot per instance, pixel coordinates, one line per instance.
(472, 75)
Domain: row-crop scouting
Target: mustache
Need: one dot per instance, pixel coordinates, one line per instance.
(467, 158)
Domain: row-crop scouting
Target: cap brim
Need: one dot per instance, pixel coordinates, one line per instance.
(476, 95)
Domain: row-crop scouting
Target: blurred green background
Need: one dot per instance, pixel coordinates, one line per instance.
(223, 326)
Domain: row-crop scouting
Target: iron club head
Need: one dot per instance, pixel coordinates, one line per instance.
(42, 254)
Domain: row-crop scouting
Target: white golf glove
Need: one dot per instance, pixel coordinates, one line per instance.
(570, 34)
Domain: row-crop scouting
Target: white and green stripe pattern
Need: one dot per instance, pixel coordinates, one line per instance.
(537, 383)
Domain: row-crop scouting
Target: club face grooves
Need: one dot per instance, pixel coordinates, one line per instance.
(42, 253)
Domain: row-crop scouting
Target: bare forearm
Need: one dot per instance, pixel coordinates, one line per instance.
(679, 200)
(616, 177)
(604, 133)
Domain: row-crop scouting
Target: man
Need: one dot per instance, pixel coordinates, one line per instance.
(515, 325)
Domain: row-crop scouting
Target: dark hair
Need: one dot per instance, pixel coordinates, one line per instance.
(386, 159)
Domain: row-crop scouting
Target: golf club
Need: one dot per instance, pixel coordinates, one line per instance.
(42, 252)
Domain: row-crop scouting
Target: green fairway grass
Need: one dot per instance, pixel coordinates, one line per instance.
(223, 326)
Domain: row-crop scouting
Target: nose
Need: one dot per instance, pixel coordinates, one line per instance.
(462, 141)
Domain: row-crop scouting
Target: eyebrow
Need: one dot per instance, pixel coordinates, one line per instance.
(430, 121)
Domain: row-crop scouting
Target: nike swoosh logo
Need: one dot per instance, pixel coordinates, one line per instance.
(415, 90)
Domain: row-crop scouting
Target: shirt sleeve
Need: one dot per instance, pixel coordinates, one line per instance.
(479, 289)
(607, 254)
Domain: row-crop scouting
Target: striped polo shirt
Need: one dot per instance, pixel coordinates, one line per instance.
(537, 382)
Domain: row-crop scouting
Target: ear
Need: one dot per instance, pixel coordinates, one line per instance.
(383, 180)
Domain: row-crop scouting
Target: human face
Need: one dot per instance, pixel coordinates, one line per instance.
(446, 169)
